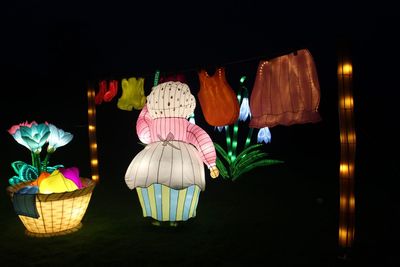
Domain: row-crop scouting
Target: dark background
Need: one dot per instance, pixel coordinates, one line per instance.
(50, 52)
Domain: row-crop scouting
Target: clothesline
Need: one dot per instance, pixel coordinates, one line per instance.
(286, 91)
(149, 75)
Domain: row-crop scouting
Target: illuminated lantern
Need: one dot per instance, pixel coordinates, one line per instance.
(217, 99)
(286, 91)
(47, 204)
(56, 214)
(92, 134)
(168, 173)
(347, 153)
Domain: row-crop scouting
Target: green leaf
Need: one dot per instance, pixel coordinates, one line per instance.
(222, 170)
(14, 180)
(249, 160)
(17, 165)
(223, 153)
(247, 150)
(28, 172)
(55, 167)
(260, 163)
(248, 156)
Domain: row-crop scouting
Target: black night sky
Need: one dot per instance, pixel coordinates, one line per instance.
(51, 52)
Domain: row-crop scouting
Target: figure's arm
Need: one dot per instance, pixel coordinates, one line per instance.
(202, 141)
(143, 126)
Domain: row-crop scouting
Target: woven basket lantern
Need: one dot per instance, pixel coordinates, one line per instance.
(59, 213)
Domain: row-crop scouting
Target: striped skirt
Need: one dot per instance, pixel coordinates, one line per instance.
(174, 164)
(166, 204)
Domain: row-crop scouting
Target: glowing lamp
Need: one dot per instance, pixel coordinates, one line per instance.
(49, 200)
(347, 136)
(347, 102)
(345, 69)
(92, 134)
(57, 213)
(168, 174)
(348, 146)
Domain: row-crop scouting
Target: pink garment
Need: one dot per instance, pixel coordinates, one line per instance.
(73, 175)
(150, 130)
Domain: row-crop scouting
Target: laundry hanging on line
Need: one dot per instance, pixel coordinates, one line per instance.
(286, 91)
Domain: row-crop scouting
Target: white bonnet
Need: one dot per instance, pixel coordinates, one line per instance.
(171, 99)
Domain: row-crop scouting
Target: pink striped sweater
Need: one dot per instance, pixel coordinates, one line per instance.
(153, 130)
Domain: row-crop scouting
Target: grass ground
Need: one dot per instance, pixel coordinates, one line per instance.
(256, 220)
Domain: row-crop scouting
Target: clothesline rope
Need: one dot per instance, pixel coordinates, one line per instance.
(150, 75)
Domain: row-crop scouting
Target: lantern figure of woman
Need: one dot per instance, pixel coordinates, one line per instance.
(168, 173)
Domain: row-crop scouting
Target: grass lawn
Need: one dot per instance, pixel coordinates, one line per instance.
(283, 214)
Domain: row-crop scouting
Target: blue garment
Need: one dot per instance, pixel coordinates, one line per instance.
(24, 202)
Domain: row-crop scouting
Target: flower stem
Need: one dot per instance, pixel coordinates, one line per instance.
(236, 125)
(36, 162)
(46, 161)
(228, 141)
(33, 159)
(234, 140)
(248, 139)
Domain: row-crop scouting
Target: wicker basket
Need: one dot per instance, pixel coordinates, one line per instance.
(59, 213)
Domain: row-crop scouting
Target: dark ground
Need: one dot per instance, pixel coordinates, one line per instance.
(276, 216)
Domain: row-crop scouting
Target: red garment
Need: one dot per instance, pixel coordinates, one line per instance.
(217, 99)
(286, 91)
(173, 78)
(98, 99)
(112, 91)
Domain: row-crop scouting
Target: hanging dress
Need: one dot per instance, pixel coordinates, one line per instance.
(286, 91)
(217, 99)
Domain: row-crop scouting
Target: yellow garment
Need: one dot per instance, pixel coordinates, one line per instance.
(56, 183)
(132, 94)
